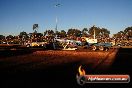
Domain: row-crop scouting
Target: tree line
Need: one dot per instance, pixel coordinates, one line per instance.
(73, 33)
(125, 34)
(85, 32)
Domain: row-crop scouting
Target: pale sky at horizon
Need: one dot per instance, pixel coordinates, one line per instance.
(20, 15)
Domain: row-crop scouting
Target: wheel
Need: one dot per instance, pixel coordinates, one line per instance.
(28, 45)
(101, 48)
(94, 48)
(118, 44)
(106, 49)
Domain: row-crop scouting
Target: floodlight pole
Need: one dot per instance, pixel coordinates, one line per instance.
(94, 31)
(56, 27)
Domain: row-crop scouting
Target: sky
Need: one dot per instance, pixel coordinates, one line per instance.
(20, 15)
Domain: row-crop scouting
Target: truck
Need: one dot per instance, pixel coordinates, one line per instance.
(95, 45)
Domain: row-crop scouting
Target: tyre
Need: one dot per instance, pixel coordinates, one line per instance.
(101, 48)
(118, 44)
(106, 49)
(94, 48)
(28, 45)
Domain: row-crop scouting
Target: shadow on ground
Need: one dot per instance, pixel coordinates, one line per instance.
(57, 76)
(9, 53)
(123, 62)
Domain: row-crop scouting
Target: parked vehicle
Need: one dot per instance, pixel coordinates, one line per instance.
(94, 45)
(36, 44)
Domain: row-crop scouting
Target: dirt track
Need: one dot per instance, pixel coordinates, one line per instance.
(43, 59)
(58, 68)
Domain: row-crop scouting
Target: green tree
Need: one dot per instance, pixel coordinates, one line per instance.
(58, 34)
(74, 32)
(119, 34)
(2, 37)
(9, 37)
(23, 35)
(50, 32)
(63, 33)
(85, 32)
(128, 32)
(104, 32)
(92, 29)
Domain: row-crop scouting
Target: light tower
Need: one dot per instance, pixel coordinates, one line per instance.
(56, 27)
(35, 28)
(94, 30)
(34, 34)
(56, 20)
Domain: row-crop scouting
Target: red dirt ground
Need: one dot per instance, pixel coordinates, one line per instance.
(42, 59)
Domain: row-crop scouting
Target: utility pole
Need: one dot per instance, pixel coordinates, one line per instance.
(94, 30)
(56, 27)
